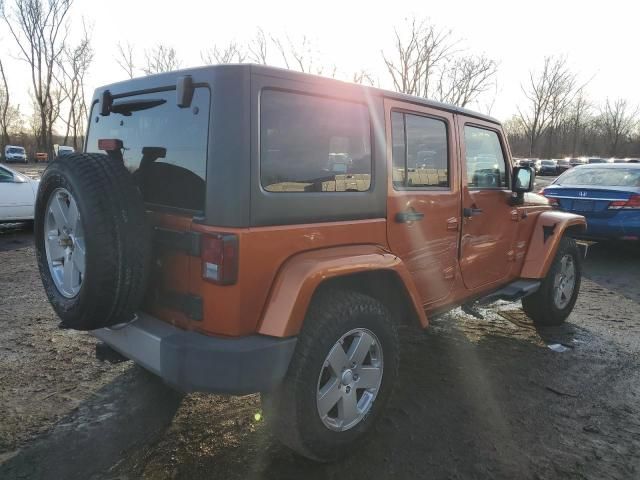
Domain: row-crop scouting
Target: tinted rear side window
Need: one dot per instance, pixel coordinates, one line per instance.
(420, 154)
(165, 147)
(313, 144)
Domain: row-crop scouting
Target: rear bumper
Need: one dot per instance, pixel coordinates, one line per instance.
(192, 362)
(622, 225)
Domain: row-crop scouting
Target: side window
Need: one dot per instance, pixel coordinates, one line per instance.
(420, 153)
(313, 144)
(399, 157)
(484, 158)
(5, 176)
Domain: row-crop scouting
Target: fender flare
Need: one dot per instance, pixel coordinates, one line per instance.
(549, 229)
(302, 274)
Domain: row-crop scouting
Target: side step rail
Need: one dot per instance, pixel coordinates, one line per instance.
(512, 292)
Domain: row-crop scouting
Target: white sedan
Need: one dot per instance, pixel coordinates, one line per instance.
(17, 195)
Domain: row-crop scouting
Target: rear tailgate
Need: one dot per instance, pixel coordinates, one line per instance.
(170, 295)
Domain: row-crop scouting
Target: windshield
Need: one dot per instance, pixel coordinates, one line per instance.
(614, 177)
(547, 162)
(16, 150)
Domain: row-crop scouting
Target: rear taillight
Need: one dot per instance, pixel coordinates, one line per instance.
(219, 253)
(109, 144)
(552, 201)
(633, 203)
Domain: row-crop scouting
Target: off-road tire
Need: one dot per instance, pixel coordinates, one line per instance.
(116, 240)
(291, 410)
(540, 306)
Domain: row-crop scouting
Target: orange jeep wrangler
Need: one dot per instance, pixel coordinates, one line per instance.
(242, 228)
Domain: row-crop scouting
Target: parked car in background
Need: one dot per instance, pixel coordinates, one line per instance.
(574, 162)
(633, 160)
(42, 157)
(64, 150)
(620, 160)
(17, 196)
(14, 153)
(534, 163)
(608, 195)
(597, 160)
(563, 165)
(548, 167)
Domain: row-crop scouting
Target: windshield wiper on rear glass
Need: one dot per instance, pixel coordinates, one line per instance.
(125, 107)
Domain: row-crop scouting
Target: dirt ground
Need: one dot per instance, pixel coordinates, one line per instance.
(476, 398)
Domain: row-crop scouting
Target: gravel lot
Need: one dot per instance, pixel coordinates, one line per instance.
(476, 398)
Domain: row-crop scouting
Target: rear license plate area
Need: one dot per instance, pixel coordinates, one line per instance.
(582, 205)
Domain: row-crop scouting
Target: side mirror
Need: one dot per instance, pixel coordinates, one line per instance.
(522, 180)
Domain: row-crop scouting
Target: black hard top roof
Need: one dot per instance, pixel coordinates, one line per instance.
(162, 79)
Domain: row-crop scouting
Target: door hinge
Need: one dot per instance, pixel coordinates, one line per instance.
(185, 242)
(190, 305)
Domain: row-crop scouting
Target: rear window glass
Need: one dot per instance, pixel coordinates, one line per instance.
(420, 155)
(313, 144)
(165, 147)
(613, 177)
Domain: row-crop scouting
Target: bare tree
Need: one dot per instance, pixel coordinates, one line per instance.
(465, 78)
(4, 108)
(417, 56)
(161, 58)
(125, 59)
(618, 121)
(577, 118)
(258, 48)
(363, 77)
(548, 94)
(40, 30)
(301, 56)
(230, 53)
(74, 65)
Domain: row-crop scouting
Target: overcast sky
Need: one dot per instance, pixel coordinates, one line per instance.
(600, 39)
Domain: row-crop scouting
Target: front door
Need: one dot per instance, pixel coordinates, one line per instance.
(424, 197)
(489, 220)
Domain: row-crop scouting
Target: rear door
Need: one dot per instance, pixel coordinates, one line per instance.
(165, 148)
(489, 220)
(424, 198)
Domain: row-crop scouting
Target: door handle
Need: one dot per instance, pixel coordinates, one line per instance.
(471, 212)
(410, 216)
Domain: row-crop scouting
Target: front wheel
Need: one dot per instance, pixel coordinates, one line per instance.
(341, 376)
(554, 300)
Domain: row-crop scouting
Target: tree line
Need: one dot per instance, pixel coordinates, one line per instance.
(556, 118)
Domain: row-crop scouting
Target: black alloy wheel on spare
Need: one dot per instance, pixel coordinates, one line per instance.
(92, 244)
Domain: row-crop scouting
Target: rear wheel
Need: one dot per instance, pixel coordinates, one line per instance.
(554, 300)
(341, 376)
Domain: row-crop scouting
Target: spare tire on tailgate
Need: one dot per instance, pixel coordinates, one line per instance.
(92, 244)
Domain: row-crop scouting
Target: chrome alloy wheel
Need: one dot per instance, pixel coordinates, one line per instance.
(565, 282)
(64, 242)
(349, 380)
